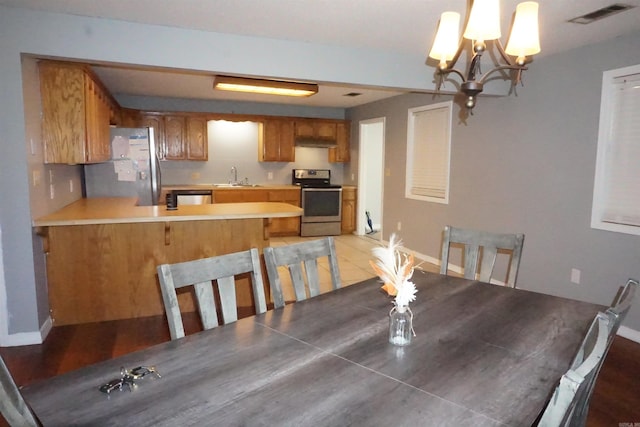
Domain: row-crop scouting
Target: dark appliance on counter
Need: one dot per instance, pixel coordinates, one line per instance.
(321, 202)
(133, 171)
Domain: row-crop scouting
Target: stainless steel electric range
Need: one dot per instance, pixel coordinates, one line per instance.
(321, 202)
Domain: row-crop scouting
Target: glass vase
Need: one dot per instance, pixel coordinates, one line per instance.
(400, 325)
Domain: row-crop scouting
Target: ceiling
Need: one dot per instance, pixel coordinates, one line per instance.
(403, 26)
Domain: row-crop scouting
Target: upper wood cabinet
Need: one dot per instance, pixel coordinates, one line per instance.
(179, 136)
(276, 141)
(341, 153)
(173, 145)
(197, 142)
(312, 128)
(76, 114)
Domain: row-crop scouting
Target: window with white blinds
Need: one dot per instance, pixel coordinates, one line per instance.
(616, 196)
(428, 152)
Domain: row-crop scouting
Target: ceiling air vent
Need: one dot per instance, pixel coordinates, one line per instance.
(601, 13)
(352, 94)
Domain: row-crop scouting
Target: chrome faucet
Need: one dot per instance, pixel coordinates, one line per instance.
(234, 172)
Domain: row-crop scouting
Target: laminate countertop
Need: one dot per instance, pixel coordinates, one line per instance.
(124, 210)
(225, 187)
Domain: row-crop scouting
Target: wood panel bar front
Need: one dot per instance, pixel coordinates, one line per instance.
(101, 272)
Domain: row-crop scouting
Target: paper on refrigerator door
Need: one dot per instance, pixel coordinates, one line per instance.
(120, 147)
(125, 170)
(139, 153)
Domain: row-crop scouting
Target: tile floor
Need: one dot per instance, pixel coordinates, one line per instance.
(354, 253)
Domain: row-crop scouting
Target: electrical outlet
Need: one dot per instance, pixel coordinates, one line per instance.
(399, 225)
(195, 176)
(269, 176)
(70, 186)
(575, 276)
(353, 177)
(37, 178)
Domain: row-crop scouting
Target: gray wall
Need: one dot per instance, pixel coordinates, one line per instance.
(552, 144)
(524, 164)
(22, 290)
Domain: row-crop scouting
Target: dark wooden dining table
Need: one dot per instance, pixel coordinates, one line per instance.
(483, 355)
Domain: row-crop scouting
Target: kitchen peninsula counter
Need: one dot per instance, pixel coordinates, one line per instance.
(102, 253)
(124, 210)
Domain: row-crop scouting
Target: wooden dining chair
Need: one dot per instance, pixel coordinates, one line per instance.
(201, 274)
(622, 303)
(570, 401)
(482, 245)
(294, 256)
(617, 313)
(13, 407)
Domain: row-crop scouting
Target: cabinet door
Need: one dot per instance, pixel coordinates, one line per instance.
(174, 137)
(63, 113)
(341, 153)
(155, 121)
(97, 116)
(325, 130)
(287, 142)
(285, 226)
(304, 128)
(239, 195)
(276, 141)
(197, 143)
(269, 146)
(348, 210)
(129, 118)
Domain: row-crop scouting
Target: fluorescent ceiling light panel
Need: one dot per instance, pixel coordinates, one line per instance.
(270, 87)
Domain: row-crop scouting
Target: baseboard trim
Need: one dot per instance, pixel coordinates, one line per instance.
(630, 334)
(28, 338)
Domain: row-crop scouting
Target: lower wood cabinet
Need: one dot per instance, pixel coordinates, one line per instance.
(278, 226)
(349, 205)
(104, 272)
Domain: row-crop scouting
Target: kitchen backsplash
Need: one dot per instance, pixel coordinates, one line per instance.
(236, 144)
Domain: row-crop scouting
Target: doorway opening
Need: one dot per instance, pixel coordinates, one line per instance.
(371, 178)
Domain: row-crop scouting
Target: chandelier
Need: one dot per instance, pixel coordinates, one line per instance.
(483, 25)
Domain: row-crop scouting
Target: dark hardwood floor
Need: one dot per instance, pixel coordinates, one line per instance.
(616, 399)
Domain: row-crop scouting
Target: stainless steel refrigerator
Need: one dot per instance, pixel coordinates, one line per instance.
(133, 171)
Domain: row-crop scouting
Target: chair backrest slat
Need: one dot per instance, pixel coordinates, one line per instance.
(294, 256)
(490, 244)
(201, 274)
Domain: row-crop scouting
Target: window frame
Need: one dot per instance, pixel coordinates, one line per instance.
(602, 168)
(412, 139)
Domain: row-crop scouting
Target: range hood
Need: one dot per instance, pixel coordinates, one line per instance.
(315, 142)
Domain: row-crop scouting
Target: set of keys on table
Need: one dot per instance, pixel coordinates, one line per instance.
(128, 377)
